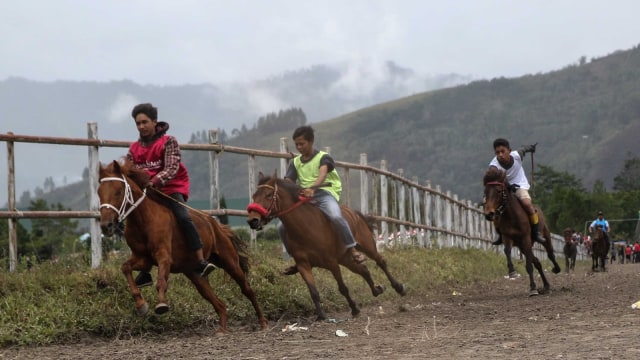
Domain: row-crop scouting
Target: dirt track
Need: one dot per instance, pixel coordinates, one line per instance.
(585, 316)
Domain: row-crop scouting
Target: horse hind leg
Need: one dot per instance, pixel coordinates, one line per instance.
(382, 264)
(362, 270)
(205, 290)
(234, 270)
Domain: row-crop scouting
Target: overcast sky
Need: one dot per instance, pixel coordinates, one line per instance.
(196, 41)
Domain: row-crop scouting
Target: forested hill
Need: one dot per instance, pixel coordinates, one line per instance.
(585, 119)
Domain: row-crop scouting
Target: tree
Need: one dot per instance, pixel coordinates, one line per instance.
(627, 179)
(50, 237)
(22, 238)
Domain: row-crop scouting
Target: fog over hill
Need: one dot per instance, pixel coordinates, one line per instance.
(63, 109)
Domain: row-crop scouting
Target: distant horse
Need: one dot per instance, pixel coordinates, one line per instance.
(313, 241)
(155, 238)
(570, 250)
(504, 209)
(599, 250)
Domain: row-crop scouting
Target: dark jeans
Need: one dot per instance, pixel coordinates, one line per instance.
(184, 221)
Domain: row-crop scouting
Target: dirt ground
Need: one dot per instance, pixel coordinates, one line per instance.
(586, 315)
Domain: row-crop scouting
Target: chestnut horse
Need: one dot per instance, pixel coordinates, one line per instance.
(506, 212)
(313, 241)
(599, 250)
(154, 238)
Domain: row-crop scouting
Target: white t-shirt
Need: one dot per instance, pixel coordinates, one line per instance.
(515, 174)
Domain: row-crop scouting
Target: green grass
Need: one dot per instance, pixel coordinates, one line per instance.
(66, 301)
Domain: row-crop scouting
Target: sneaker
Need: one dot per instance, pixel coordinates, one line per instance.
(205, 268)
(143, 279)
(357, 257)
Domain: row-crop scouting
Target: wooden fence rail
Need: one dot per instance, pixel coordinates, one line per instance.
(409, 214)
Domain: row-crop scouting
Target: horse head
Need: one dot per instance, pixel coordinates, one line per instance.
(264, 202)
(495, 193)
(273, 198)
(116, 194)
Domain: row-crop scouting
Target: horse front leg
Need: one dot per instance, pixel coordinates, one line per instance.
(342, 287)
(307, 276)
(127, 269)
(510, 267)
(538, 266)
(529, 266)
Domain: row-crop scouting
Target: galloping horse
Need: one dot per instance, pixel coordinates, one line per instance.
(570, 250)
(599, 250)
(504, 209)
(154, 238)
(313, 241)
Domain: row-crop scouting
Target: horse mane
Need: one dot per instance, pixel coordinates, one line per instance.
(292, 188)
(138, 176)
(493, 174)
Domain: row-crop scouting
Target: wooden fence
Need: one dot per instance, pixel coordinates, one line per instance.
(409, 214)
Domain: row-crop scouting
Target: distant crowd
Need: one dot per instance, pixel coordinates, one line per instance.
(620, 252)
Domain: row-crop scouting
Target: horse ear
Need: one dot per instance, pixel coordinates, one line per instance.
(275, 173)
(260, 175)
(116, 167)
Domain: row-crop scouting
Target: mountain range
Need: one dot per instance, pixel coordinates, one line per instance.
(63, 108)
(584, 118)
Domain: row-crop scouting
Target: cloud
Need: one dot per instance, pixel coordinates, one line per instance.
(120, 110)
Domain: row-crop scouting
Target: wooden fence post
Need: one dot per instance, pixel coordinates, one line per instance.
(214, 173)
(94, 201)
(384, 203)
(13, 223)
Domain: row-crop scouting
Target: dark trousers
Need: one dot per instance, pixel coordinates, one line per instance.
(184, 221)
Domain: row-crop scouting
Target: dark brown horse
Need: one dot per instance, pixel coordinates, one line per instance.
(599, 250)
(154, 238)
(313, 241)
(506, 212)
(570, 250)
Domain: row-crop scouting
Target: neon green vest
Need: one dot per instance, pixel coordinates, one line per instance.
(308, 173)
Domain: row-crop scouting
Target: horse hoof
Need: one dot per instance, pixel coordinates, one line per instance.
(355, 312)
(533, 292)
(143, 310)
(556, 270)
(402, 290)
(161, 308)
(379, 289)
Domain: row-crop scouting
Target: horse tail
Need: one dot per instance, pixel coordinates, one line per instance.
(368, 219)
(241, 248)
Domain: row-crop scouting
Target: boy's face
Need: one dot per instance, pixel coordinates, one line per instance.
(146, 126)
(304, 146)
(503, 154)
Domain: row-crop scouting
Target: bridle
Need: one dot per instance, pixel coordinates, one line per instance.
(503, 196)
(123, 211)
(273, 211)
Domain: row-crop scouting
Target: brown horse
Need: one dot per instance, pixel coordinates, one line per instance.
(504, 209)
(313, 241)
(599, 250)
(154, 238)
(570, 250)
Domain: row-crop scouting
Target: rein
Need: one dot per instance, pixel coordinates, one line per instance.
(274, 205)
(503, 194)
(128, 199)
